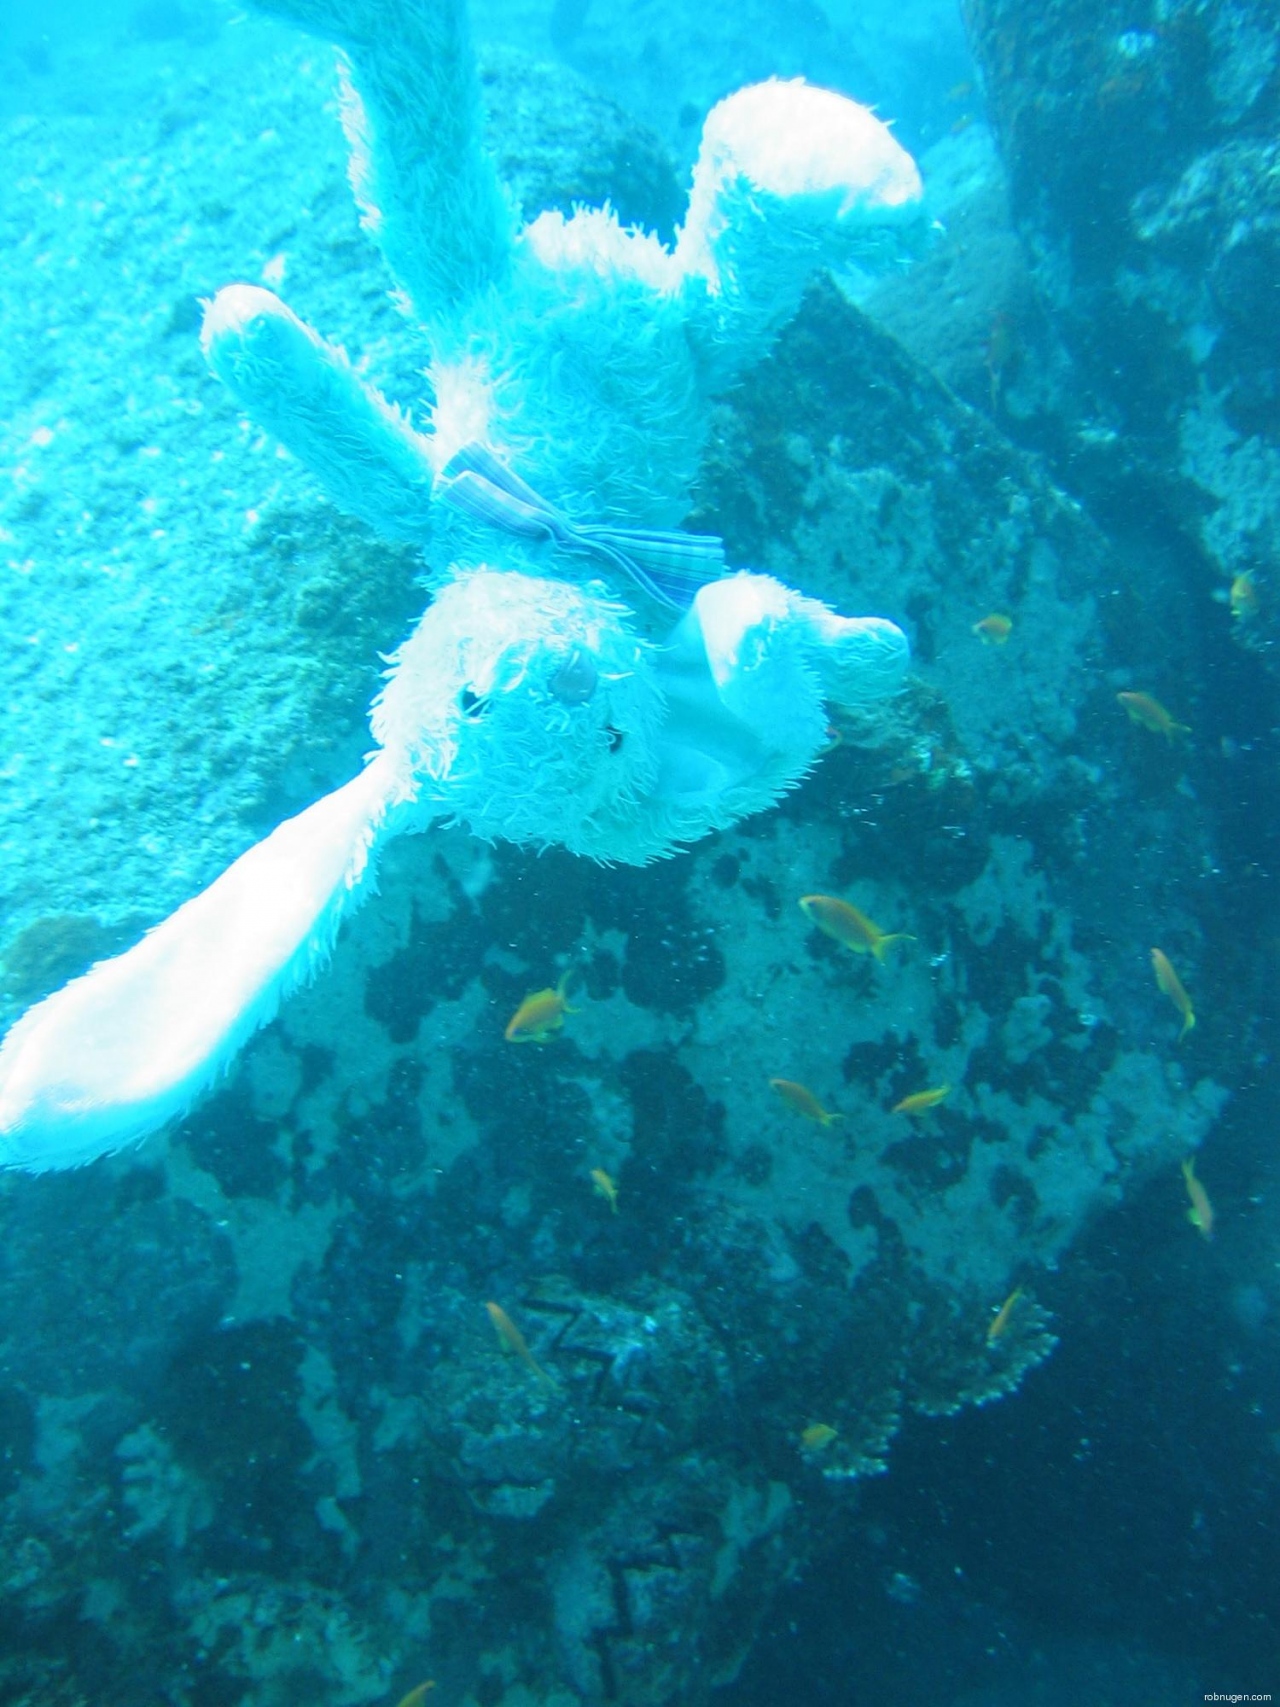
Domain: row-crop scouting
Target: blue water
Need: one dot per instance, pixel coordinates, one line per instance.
(259, 1442)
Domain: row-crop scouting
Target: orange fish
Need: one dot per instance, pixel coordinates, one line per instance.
(817, 1437)
(1149, 712)
(920, 1102)
(1244, 598)
(540, 1015)
(994, 630)
(417, 1696)
(1200, 1213)
(1169, 984)
(1000, 1321)
(848, 926)
(605, 1188)
(801, 1100)
(1002, 353)
(511, 1339)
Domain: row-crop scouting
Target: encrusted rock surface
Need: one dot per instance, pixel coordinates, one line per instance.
(257, 1436)
(1145, 183)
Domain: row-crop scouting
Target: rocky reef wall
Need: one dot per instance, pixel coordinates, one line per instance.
(1140, 149)
(259, 1436)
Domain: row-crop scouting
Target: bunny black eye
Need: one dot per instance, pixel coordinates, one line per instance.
(615, 739)
(472, 704)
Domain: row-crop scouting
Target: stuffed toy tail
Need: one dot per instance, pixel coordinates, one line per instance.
(116, 1053)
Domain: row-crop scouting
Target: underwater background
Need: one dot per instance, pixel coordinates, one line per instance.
(771, 1428)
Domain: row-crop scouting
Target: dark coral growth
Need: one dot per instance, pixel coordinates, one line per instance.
(1140, 147)
(241, 1151)
(560, 143)
(437, 963)
(49, 951)
(228, 1410)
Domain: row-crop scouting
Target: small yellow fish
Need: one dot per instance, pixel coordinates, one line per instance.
(1000, 1321)
(1149, 712)
(605, 1188)
(994, 630)
(1003, 354)
(1169, 984)
(540, 1015)
(801, 1100)
(848, 926)
(1244, 598)
(817, 1437)
(511, 1339)
(920, 1102)
(1200, 1213)
(417, 1696)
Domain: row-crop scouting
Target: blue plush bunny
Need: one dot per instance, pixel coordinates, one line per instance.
(570, 391)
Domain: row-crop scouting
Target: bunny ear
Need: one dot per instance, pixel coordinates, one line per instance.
(411, 108)
(115, 1054)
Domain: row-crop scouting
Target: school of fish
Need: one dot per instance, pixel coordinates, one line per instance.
(540, 1018)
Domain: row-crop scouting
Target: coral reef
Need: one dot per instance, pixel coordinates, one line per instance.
(1143, 177)
(257, 1436)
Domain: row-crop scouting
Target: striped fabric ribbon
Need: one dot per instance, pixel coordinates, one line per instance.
(670, 567)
